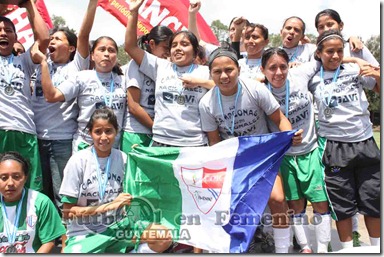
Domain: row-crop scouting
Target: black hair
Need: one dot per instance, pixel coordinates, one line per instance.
(267, 54)
(191, 37)
(158, 34)
(296, 17)
(116, 68)
(264, 30)
(201, 52)
(71, 37)
(104, 113)
(328, 12)
(223, 51)
(323, 37)
(14, 52)
(7, 20)
(15, 156)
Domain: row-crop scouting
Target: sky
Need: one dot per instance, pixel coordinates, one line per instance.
(360, 17)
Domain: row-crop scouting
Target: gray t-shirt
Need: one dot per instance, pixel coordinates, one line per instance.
(93, 91)
(175, 123)
(248, 113)
(81, 181)
(350, 120)
(57, 121)
(300, 111)
(301, 53)
(364, 54)
(135, 78)
(15, 93)
(250, 68)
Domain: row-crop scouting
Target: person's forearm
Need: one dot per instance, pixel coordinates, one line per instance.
(47, 247)
(85, 29)
(38, 25)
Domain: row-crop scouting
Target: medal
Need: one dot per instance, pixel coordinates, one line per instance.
(8, 90)
(11, 249)
(328, 112)
(181, 100)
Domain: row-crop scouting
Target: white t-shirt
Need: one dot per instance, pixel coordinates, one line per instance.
(80, 181)
(57, 121)
(300, 111)
(301, 53)
(135, 78)
(93, 90)
(350, 120)
(15, 93)
(248, 114)
(175, 124)
(250, 68)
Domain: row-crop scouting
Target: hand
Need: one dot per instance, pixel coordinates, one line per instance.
(239, 23)
(37, 55)
(297, 138)
(294, 64)
(189, 82)
(369, 70)
(134, 5)
(305, 40)
(194, 6)
(355, 44)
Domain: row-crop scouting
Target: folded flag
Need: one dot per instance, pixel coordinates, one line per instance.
(210, 197)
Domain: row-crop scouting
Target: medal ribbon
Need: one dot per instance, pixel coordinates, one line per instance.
(293, 57)
(232, 129)
(287, 93)
(8, 69)
(108, 100)
(102, 182)
(322, 89)
(12, 234)
(177, 74)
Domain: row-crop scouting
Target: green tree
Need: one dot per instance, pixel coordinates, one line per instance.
(122, 56)
(220, 30)
(373, 44)
(274, 40)
(59, 21)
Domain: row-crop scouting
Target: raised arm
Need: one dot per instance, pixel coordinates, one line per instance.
(51, 93)
(85, 29)
(131, 47)
(192, 19)
(38, 25)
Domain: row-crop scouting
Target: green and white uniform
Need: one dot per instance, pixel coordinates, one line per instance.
(39, 223)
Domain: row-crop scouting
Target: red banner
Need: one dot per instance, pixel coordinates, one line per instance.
(19, 17)
(170, 13)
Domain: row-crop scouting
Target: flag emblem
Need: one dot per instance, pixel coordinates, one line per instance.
(204, 185)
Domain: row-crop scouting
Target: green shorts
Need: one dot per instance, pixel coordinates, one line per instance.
(25, 144)
(129, 139)
(303, 177)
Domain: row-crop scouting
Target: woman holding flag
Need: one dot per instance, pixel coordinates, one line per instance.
(237, 107)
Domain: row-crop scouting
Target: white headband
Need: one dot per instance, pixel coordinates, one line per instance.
(329, 36)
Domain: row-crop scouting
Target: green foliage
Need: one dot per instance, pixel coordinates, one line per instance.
(220, 30)
(59, 21)
(122, 56)
(373, 44)
(274, 40)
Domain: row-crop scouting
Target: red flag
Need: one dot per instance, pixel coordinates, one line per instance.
(19, 17)
(170, 13)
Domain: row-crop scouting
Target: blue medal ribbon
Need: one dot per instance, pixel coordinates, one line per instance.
(191, 67)
(322, 89)
(102, 182)
(11, 234)
(108, 99)
(232, 129)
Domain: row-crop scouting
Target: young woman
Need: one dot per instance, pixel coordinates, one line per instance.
(237, 107)
(29, 222)
(255, 40)
(330, 19)
(351, 156)
(180, 85)
(17, 128)
(138, 120)
(94, 202)
(56, 122)
(92, 89)
(301, 168)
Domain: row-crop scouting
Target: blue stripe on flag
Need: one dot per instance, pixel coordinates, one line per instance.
(255, 169)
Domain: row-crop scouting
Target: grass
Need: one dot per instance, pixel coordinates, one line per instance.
(376, 135)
